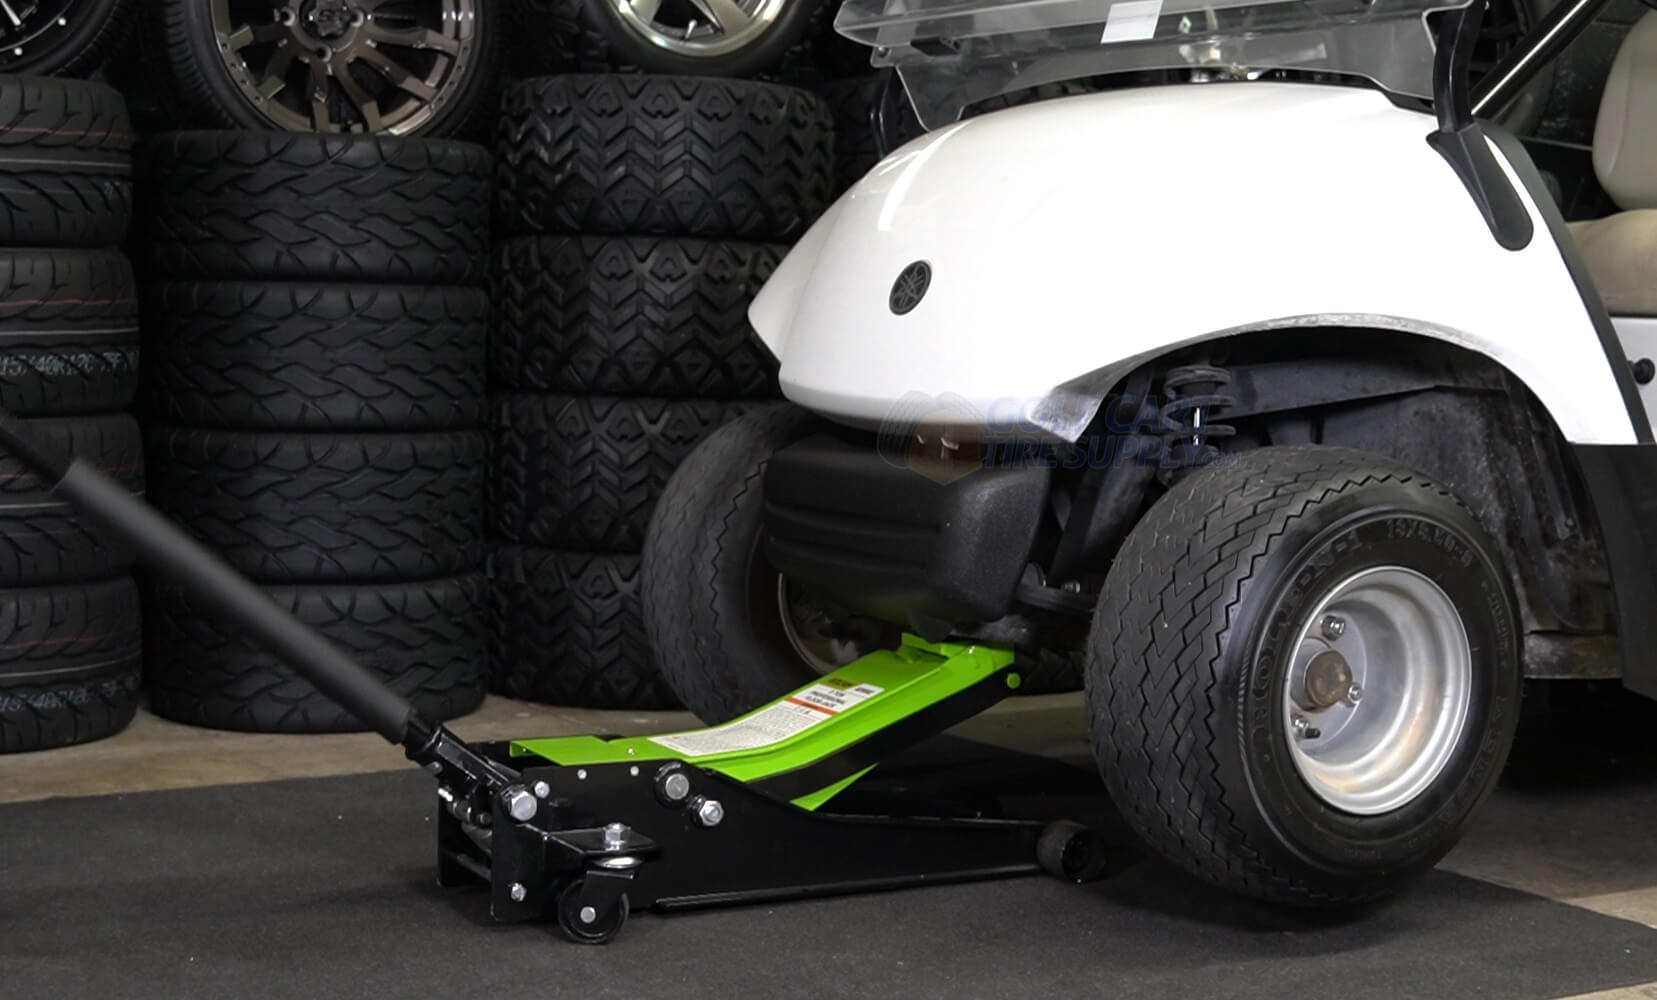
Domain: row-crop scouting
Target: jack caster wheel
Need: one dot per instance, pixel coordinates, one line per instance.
(583, 924)
(1070, 851)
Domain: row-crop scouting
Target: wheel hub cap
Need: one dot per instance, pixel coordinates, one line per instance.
(1328, 679)
(1373, 708)
(329, 19)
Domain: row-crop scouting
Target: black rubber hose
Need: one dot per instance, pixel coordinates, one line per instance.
(174, 555)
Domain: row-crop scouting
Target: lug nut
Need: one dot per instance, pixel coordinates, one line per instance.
(517, 892)
(615, 835)
(708, 812)
(1354, 694)
(1333, 627)
(521, 805)
(1305, 730)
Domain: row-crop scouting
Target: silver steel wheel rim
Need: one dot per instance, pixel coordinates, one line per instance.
(386, 66)
(805, 625)
(1400, 649)
(700, 28)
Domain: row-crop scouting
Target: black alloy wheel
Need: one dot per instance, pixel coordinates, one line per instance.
(396, 67)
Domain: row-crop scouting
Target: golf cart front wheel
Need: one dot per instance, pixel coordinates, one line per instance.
(1304, 675)
(583, 923)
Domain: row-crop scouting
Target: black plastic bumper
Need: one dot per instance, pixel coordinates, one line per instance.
(882, 539)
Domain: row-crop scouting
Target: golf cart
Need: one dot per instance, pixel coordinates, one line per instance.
(1201, 388)
(1281, 400)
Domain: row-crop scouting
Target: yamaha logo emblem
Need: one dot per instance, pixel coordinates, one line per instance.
(910, 287)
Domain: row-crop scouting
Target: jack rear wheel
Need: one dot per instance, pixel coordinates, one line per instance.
(1304, 675)
(1069, 851)
(584, 924)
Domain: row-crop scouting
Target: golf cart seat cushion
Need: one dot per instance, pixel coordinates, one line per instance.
(1620, 252)
(1625, 135)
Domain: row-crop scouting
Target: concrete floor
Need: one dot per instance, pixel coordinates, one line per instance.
(1578, 833)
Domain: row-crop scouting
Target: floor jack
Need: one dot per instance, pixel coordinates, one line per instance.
(584, 828)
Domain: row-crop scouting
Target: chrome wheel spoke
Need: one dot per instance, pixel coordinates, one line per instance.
(397, 73)
(319, 96)
(251, 34)
(726, 15)
(276, 71)
(412, 38)
(646, 10)
(367, 107)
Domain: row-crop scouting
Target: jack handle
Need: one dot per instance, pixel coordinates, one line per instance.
(175, 556)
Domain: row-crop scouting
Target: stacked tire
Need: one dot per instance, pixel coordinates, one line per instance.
(640, 214)
(70, 649)
(318, 316)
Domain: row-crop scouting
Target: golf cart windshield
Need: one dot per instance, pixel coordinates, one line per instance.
(954, 53)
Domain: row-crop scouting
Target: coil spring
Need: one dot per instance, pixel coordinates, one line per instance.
(1195, 393)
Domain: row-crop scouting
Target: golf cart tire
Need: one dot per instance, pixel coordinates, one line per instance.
(718, 641)
(720, 646)
(294, 356)
(286, 507)
(1196, 627)
(66, 154)
(632, 316)
(69, 336)
(565, 628)
(425, 640)
(71, 662)
(583, 473)
(620, 154)
(299, 206)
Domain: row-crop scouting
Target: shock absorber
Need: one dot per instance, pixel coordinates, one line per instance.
(1195, 395)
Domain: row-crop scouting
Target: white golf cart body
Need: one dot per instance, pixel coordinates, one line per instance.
(1069, 242)
(1072, 239)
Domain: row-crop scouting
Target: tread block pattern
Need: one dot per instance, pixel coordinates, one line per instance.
(278, 205)
(42, 539)
(566, 629)
(632, 316)
(292, 508)
(311, 357)
(582, 473)
(1153, 680)
(68, 331)
(65, 164)
(426, 640)
(71, 664)
(663, 155)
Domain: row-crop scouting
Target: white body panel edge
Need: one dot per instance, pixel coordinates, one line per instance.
(1072, 239)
